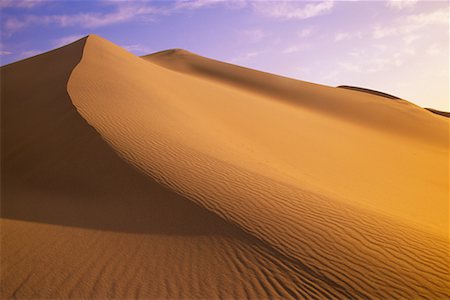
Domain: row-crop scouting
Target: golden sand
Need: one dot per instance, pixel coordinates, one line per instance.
(177, 176)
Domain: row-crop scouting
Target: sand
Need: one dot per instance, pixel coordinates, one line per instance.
(177, 176)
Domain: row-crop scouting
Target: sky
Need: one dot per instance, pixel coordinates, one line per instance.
(399, 47)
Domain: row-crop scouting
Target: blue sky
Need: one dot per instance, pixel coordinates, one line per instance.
(399, 47)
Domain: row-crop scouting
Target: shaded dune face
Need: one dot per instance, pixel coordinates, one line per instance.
(128, 178)
(57, 169)
(73, 212)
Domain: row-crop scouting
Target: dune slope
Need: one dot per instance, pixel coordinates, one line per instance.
(79, 222)
(134, 177)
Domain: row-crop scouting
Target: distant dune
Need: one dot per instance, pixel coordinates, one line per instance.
(377, 93)
(174, 176)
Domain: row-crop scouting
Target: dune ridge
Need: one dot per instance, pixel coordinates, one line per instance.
(186, 193)
(364, 90)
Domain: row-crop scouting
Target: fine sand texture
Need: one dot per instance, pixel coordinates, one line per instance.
(174, 176)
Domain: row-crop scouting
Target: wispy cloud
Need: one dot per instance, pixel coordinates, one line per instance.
(5, 52)
(196, 4)
(125, 11)
(381, 59)
(412, 23)
(295, 49)
(401, 4)
(29, 53)
(342, 36)
(292, 9)
(20, 3)
(138, 49)
(128, 11)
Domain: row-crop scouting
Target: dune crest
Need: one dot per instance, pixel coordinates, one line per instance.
(176, 176)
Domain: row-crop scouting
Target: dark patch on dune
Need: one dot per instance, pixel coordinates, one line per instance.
(369, 91)
(56, 169)
(439, 112)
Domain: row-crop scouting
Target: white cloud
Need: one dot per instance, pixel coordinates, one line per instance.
(412, 23)
(292, 9)
(401, 4)
(440, 16)
(66, 40)
(2, 53)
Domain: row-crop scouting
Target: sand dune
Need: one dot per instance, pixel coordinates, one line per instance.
(177, 176)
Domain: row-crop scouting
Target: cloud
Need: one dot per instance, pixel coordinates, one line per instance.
(12, 25)
(20, 3)
(382, 59)
(401, 4)
(292, 9)
(138, 49)
(125, 11)
(29, 53)
(412, 23)
(295, 48)
(440, 16)
(2, 53)
(195, 4)
(66, 40)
